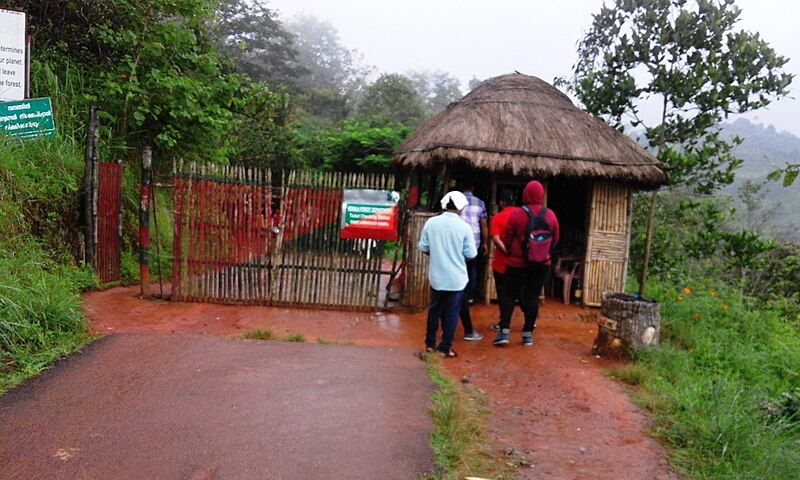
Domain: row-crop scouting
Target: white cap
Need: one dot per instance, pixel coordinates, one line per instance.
(458, 198)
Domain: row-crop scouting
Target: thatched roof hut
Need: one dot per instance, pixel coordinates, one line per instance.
(512, 128)
(523, 125)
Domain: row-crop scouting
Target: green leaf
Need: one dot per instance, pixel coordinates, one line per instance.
(790, 177)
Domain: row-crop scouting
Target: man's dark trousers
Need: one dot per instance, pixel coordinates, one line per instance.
(469, 292)
(523, 284)
(443, 308)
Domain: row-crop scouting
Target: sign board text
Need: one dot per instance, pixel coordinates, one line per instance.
(32, 118)
(12, 55)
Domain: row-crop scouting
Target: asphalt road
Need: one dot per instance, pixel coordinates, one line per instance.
(192, 406)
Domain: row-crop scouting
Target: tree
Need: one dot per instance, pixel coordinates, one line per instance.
(332, 69)
(259, 44)
(391, 99)
(789, 173)
(474, 82)
(353, 147)
(437, 88)
(689, 59)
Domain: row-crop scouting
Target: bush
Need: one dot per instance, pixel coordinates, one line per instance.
(39, 192)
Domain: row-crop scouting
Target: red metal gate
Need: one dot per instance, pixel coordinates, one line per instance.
(109, 194)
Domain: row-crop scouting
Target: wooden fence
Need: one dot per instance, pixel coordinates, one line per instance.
(241, 236)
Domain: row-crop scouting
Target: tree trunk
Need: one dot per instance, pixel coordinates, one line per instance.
(626, 324)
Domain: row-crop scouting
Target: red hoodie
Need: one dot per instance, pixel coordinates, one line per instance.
(518, 220)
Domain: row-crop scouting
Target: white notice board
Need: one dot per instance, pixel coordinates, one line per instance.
(12, 55)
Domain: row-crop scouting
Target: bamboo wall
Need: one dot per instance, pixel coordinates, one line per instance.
(417, 288)
(313, 264)
(608, 243)
(241, 238)
(222, 239)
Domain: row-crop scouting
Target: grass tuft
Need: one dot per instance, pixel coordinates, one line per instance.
(260, 334)
(294, 337)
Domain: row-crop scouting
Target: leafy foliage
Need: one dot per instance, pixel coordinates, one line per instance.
(687, 57)
(335, 76)
(154, 69)
(40, 316)
(437, 88)
(39, 186)
(260, 45)
(392, 98)
(354, 147)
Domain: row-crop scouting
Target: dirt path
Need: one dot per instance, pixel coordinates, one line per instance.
(551, 402)
(192, 406)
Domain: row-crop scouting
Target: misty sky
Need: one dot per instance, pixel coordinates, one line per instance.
(538, 37)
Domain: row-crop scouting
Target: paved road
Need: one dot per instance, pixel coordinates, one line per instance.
(191, 406)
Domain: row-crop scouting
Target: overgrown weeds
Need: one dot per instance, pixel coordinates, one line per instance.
(293, 337)
(40, 316)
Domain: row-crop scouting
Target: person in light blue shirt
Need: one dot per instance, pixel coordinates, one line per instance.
(450, 242)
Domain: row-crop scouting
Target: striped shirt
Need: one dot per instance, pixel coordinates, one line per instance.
(473, 213)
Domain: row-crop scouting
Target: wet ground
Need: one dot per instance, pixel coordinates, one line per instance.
(197, 407)
(550, 402)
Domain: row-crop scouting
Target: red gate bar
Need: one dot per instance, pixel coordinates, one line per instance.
(108, 221)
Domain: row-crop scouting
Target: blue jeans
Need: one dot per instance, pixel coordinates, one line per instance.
(443, 308)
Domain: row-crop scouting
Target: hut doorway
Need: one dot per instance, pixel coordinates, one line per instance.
(570, 199)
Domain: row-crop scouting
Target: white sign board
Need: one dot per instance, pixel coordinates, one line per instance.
(12, 55)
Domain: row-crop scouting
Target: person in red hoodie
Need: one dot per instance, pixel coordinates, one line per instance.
(523, 279)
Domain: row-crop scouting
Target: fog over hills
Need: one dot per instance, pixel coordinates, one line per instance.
(763, 150)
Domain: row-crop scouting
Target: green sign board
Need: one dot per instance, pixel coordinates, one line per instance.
(32, 118)
(370, 214)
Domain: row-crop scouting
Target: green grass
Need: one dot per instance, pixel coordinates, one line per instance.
(40, 314)
(40, 284)
(293, 337)
(722, 386)
(459, 441)
(325, 341)
(261, 334)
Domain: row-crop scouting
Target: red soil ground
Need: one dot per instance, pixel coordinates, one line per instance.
(550, 402)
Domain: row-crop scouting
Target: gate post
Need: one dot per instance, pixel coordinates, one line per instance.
(90, 188)
(144, 221)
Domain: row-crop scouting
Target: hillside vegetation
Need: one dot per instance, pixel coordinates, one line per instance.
(723, 387)
(40, 282)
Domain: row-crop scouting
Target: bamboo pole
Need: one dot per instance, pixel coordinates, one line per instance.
(144, 223)
(88, 187)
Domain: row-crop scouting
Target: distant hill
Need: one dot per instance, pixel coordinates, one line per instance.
(763, 150)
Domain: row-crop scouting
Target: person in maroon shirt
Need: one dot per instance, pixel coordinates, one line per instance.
(523, 279)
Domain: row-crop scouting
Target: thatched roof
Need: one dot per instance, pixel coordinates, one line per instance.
(523, 125)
